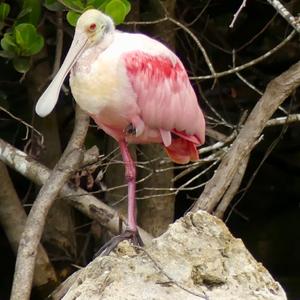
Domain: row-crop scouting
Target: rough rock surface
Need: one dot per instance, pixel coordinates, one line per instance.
(196, 258)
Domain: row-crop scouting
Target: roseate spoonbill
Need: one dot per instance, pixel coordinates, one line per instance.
(135, 89)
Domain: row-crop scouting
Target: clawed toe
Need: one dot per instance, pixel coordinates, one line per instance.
(133, 236)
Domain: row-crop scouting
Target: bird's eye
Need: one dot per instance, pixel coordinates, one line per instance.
(92, 27)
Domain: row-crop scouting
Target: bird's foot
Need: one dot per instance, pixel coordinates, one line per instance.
(128, 234)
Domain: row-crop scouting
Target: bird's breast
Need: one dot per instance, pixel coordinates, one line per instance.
(102, 88)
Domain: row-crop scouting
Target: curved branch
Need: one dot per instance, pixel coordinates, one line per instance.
(33, 230)
(13, 218)
(248, 64)
(89, 205)
(276, 92)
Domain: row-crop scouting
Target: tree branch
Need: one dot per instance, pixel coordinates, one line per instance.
(31, 236)
(294, 22)
(232, 190)
(12, 219)
(80, 199)
(248, 64)
(276, 92)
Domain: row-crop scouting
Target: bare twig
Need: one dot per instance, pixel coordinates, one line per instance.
(248, 64)
(188, 31)
(171, 280)
(250, 85)
(235, 16)
(276, 92)
(33, 230)
(93, 207)
(294, 22)
(198, 43)
(293, 118)
(253, 175)
(164, 19)
(25, 124)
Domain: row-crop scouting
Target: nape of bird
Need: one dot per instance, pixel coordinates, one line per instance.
(136, 90)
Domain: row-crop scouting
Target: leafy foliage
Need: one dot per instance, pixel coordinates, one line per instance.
(21, 43)
(22, 39)
(117, 9)
(4, 11)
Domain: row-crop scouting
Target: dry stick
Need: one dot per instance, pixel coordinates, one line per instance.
(235, 16)
(77, 197)
(293, 118)
(198, 43)
(171, 280)
(31, 236)
(248, 64)
(25, 124)
(188, 31)
(294, 22)
(251, 86)
(276, 92)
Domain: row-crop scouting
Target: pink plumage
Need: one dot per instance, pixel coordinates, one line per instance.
(167, 102)
(136, 90)
(153, 94)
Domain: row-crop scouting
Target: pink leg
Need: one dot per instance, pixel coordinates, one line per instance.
(130, 174)
(131, 232)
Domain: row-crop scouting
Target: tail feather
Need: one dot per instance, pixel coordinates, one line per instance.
(182, 151)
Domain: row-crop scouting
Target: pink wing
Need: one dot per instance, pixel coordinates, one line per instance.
(165, 95)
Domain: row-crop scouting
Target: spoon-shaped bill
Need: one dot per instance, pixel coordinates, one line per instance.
(48, 100)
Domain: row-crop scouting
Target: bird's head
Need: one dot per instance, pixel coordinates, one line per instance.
(92, 28)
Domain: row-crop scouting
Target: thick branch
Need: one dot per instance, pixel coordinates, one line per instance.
(276, 92)
(77, 197)
(31, 236)
(12, 219)
(232, 190)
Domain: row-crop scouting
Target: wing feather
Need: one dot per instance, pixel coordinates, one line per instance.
(164, 93)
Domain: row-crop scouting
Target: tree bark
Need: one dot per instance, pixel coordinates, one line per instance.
(276, 92)
(13, 219)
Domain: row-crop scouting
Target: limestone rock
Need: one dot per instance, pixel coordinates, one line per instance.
(197, 258)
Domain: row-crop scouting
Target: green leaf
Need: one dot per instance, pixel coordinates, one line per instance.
(96, 3)
(128, 6)
(6, 54)
(53, 5)
(117, 10)
(30, 13)
(75, 5)
(22, 64)
(72, 17)
(23, 13)
(102, 6)
(9, 45)
(4, 11)
(28, 39)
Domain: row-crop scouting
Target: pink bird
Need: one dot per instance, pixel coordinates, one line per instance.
(135, 89)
